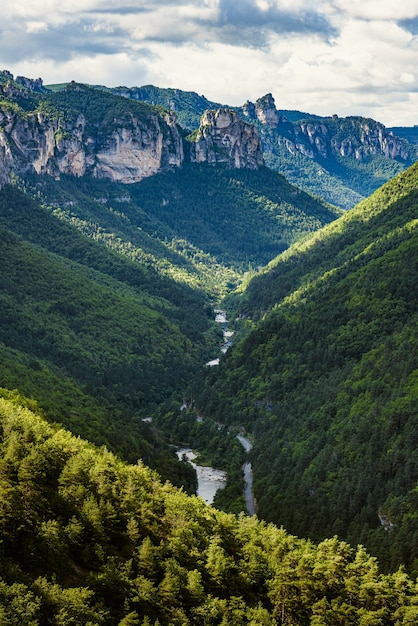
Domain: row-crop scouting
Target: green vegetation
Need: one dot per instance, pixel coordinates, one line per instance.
(106, 298)
(96, 338)
(327, 380)
(102, 110)
(410, 133)
(240, 217)
(188, 105)
(87, 540)
(201, 225)
(341, 180)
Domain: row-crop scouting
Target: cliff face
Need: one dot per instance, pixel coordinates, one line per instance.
(225, 138)
(326, 137)
(354, 137)
(54, 142)
(84, 131)
(135, 151)
(47, 144)
(321, 155)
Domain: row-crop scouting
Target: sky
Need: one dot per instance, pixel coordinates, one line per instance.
(344, 57)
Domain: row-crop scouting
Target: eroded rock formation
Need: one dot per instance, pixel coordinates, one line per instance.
(223, 137)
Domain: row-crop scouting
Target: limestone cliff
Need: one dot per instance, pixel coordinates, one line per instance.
(223, 137)
(84, 131)
(125, 145)
(325, 137)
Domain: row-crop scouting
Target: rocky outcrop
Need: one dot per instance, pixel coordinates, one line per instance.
(32, 84)
(141, 150)
(124, 143)
(355, 137)
(133, 148)
(223, 137)
(264, 110)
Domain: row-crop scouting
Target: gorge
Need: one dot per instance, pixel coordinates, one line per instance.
(120, 232)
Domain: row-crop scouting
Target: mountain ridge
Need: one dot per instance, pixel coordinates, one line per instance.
(84, 131)
(342, 160)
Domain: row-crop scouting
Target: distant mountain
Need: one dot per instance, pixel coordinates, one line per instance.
(91, 134)
(410, 133)
(342, 160)
(84, 131)
(188, 105)
(327, 381)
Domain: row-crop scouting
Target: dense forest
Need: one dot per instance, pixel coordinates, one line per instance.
(326, 382)
(107, 297)
(97, 339)
(89, 541)
(200, 225)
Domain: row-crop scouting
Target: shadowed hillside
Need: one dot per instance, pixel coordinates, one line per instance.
(327, 380)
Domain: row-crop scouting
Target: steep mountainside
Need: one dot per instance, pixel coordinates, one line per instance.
(191, 223)
(327, 381)
(108, 288)
(222, 137)
(81, 131)
(95, 135)
(339, 159)
(87, 540)
(98, 339)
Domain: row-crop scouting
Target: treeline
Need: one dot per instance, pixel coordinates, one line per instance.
(87, 540)
(327, 380)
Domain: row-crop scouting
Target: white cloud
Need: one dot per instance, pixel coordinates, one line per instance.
(378, 9)
(321, 56)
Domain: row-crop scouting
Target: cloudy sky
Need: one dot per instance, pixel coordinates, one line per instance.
(350, 57)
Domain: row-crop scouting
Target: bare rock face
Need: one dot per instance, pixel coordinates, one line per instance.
(353, 137)
(223, 137)
(133, 153)
(266, 111)
(131, 149)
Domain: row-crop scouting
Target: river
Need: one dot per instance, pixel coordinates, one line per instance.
(220, 318)
(209, 480)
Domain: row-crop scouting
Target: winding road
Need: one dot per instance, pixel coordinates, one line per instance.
(248, 477)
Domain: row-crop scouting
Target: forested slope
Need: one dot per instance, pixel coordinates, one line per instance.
(98, 339)
(108, 289)
(87, 540)
(200, 224)
(327, 380)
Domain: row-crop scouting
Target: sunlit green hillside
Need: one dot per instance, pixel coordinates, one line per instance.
(201, 225)
(87, 540)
